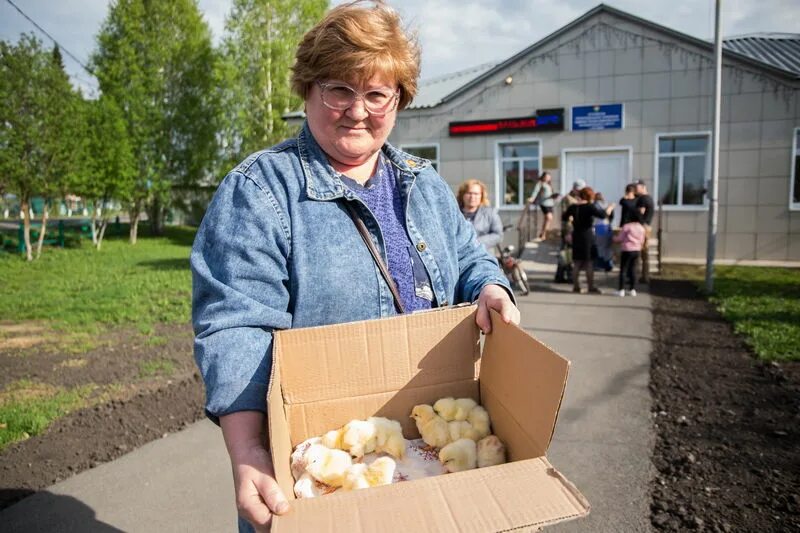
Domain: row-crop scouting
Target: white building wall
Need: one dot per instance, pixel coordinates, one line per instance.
(666, 85)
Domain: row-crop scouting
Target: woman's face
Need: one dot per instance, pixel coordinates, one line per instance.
(350, 137)
(472, 197)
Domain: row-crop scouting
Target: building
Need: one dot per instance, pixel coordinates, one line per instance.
(610, 98)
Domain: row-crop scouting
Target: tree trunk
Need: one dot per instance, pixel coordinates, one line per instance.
(42, 232)
(156, 214)
(102, 232)
(26, 218)
(94, 228)
(134, 216)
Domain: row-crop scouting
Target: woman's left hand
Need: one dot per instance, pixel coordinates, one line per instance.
(495, 297)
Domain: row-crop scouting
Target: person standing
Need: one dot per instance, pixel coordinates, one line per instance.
(289, 237)
(631, 239)
(582, 215)
(473, 199)
(543, 196)
(628, 209)
(644, 204)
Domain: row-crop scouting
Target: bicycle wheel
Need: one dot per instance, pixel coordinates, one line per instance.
(521, 280)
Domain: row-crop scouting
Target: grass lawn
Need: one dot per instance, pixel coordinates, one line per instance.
(80, 290)
(69, 296)
(763, 303)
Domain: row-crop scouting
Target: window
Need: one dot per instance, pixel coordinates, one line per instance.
(518, 165)
(425, 151)
(795, 199)
(682, 168)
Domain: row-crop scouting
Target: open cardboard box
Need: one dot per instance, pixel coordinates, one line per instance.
(324, 377)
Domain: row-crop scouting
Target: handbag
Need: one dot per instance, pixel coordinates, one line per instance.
(364, 232)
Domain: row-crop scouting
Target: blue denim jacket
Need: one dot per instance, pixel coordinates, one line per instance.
(277, 250)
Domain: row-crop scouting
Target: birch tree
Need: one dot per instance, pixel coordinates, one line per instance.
(261, 37)
(39, 145)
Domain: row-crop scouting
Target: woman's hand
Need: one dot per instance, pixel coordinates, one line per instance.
(495, 297)
(258, 495)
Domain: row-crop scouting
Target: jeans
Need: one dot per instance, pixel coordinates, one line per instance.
(628, 268)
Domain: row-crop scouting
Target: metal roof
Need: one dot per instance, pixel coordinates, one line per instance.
(431, 92)
(445, 88)
(781, 50)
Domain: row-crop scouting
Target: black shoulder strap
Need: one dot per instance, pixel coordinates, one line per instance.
(362, 229)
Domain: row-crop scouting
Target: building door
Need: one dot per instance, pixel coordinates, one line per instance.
(604, 171)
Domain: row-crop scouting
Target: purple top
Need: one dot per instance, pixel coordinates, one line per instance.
(381, 195)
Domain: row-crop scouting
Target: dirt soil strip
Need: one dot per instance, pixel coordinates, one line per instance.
(96, 435)
(728, 426)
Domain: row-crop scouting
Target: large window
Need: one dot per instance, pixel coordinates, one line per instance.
(425, 151)
(682, 168)
(518, 165)
(795, 199)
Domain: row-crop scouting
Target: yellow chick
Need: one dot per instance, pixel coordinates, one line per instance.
(359, 437)
(463, 408)
(361, 476)
(389, 437)
(478, 418)
(333, 439)
(326, 465)
(491, 451)
(459, 455)
(460, 429)
(432, 427)
(446, 408)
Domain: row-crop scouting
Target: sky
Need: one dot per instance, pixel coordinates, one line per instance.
(454, 34)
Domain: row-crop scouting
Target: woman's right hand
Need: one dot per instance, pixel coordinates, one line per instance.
(258, 495)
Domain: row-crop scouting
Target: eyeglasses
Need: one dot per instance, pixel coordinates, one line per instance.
(377, 102)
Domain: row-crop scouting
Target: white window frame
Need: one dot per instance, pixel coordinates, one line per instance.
(426, 145)
(498, 170)
(657, 154)
(793, 206)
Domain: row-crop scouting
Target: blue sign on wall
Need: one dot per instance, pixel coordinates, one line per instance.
(597, 117)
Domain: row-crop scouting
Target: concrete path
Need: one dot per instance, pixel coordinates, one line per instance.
(603, 441)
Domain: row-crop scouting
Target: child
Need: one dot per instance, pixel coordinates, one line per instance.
(631, 238)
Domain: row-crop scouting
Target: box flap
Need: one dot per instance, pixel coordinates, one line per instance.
(378, 363)
(393, 405)
(516, 495)
(522, 382)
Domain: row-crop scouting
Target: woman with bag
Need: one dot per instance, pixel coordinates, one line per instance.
(584, 250)
(333, 226)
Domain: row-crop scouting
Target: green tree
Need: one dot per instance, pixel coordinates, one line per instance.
(62, 138)
(108, 178)
(261, 37)
(39, 148)
(156, 61)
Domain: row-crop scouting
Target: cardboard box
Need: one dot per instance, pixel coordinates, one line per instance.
(326, 376)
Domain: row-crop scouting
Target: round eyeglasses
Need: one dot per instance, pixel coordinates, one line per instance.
(377, 102)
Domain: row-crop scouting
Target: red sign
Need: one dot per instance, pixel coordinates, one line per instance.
(544, 120)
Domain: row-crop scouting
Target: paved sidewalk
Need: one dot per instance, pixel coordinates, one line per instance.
(603, 441)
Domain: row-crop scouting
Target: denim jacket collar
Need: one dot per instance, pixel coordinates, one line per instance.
(322, 181)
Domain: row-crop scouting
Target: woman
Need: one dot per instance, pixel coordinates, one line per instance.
(279, 246)
(582, 215)
(544, 197)
(473, 199)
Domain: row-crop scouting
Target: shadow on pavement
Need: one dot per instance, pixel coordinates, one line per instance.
(51, 513)
(619, 384)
